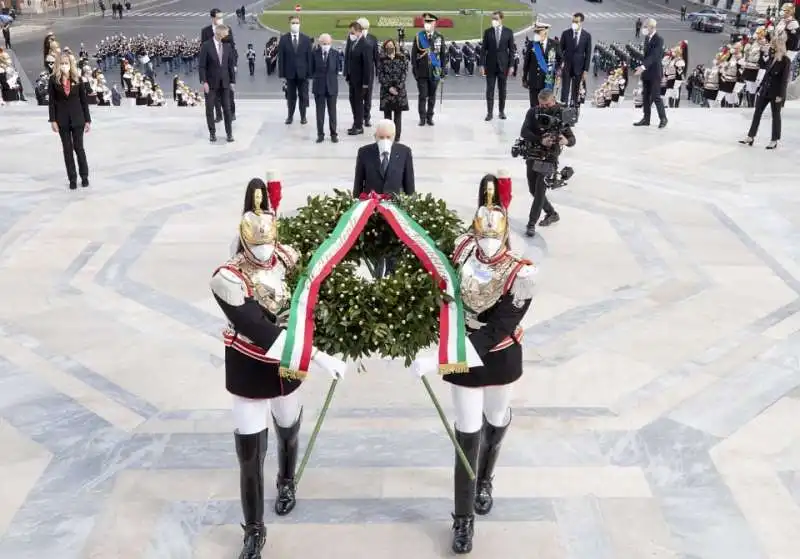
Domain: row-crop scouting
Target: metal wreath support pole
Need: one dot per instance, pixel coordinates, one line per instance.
(443, 417)
(315, 432)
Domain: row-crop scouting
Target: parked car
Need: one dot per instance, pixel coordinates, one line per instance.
(705, 12)
(709, 24)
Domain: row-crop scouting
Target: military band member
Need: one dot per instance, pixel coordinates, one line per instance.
(251, 290)
(427, 63)
(456, 56)
(497, 289)
(541, 61)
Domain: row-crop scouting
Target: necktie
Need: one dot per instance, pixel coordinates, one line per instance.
(324, 57)
(384, 163)
(498, 35)
(219, 52)
(576, 37)
(294, 41)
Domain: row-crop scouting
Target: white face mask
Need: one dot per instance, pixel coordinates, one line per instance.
(218, 21)
(645, 31)
(495, 23)
(325, 48)
(353, 37)
(65, 68)
(490, 247)
(537, 38)
(295, 27)
(575, 27)
(263, 252)
(428, 26)
(384, 146)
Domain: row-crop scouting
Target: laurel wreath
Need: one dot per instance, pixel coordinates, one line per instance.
(356, 315)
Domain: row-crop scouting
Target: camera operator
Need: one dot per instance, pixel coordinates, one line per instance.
(543, 162)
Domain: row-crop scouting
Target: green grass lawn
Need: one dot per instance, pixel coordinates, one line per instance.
(385, 25)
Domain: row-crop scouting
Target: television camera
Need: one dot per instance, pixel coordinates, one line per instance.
(544, 154)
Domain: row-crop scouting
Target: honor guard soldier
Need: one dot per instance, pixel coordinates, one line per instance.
(455, 56)
(251, 290)
(497, 288)
(427, 64)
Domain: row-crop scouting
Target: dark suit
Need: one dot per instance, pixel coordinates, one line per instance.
(772, 87)
(651, 76)
(359, 73)
(207, 33)
(532, 75)
(577, 56)
(399, 177)
(219, 75)
(496, 58)
(71, 113)
(294, 66)
(325, 87)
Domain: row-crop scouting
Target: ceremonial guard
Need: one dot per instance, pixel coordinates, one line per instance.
(541, 60)
(427, 62)
(729, 75)
(456, 56)
(251, 290)
(469, 58)
(711, 81)
(787, 28)
(497, 289)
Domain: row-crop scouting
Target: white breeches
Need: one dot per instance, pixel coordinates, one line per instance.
(473, 403)
(252, 416)
(750, 87)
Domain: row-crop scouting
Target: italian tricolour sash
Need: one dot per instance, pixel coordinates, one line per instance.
(296, 356)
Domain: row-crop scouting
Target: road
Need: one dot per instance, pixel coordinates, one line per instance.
(611, 20)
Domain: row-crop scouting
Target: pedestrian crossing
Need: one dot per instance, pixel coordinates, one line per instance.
(544, 16)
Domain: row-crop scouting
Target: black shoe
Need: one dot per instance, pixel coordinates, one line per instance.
(73, 185)
(251, 451)
(233, 117)
(642, 122)
(502, 115)
(491, 441)
(429, 121)
(530, 231)
(662, 124)
(289, 120)
(303, 120)
(549, 219)
(355, 131)
(288, 443)
(255, 536)
(212, 137)
(229, 138)
(464, 493)
(488, 117)
(367, 123)
(218, 119)
(85, 182)
(422, 121)
(320, 139)
(335, 138)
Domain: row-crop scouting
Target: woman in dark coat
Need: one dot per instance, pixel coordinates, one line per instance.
(392, 70)
(69, 116)
(771, 91)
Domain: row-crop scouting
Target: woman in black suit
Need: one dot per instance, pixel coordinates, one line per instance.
(69, 116)
(771, 91)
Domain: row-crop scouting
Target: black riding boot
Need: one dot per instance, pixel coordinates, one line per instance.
(490, 450)
(287, 463)
(251, 450)
(464, 493)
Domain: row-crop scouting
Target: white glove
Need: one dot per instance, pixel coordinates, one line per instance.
(335, 367)
(424, 365)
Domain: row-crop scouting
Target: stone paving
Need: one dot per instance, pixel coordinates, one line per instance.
(658, 416)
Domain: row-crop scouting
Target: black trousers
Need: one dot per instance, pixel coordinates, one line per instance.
(322, 102)
(251, 64)
(570, 88)
(7, 38)
(775, 107)
(224, 96)
(395, 115)
(651, 93)
(538, 190)
(502, 81)
(533, 95)
(72, 141)
(427, 96)
(368, 104)
(297, 89)
(357, 93)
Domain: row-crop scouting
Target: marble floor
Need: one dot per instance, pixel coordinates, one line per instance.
(658, 416)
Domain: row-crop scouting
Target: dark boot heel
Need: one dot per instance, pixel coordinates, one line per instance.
(288, 442)
(492, 440)
(464, 493)
(251, 451)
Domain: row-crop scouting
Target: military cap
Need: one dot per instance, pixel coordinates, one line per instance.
(540, 26)
(427, 16)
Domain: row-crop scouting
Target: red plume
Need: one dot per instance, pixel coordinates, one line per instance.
(274, 191)
(504, 188)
